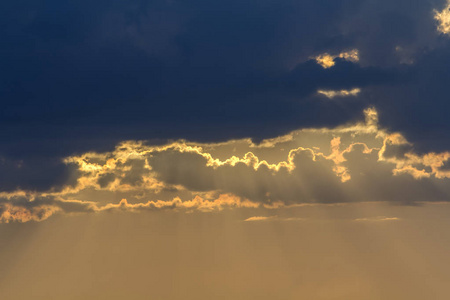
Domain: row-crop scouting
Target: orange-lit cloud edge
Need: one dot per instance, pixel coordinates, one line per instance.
(359, 162)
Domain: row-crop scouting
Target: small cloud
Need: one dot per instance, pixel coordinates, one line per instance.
(260, 219)
(443, 19)
(327, 61)
(10, 213)
(272, 218)
(352, 55)
(377, 219)
(341, 93)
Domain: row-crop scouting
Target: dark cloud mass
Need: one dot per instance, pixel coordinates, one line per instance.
(83, 76)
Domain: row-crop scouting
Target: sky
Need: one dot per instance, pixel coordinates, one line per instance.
(256, 149)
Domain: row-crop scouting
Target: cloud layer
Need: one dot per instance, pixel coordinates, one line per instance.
(360, 162)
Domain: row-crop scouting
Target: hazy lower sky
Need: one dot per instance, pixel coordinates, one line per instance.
(225, 149)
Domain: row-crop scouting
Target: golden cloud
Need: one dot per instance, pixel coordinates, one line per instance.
(327, 60)
(341, 93)
(359, 162)
(443, 19)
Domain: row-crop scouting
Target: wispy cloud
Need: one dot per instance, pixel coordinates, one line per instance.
(341, 93)
(260, 219)
(377, 219)
(272, 218)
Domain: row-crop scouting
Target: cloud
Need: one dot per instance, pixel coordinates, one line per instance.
(11, 213)
(24, 207)
(359, 162)
(377, 219)
(271, 218)
(443, 19)
(198, 203)
(342, 93)
(327, 61)
(260, 219)
(141, 70)
(36, 173)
